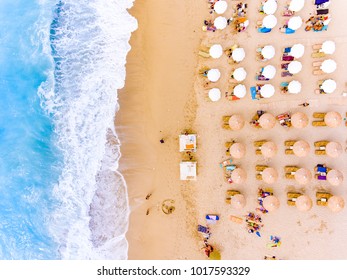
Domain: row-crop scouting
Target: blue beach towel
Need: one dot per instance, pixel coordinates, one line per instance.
(289, 31)
(253, 93)
(264, 30)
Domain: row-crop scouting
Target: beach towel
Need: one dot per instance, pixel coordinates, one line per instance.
(264, 30)
(254, 93)
(320, 177)
(202, 229)
(325, 28)
(211, 218)
(321, 169)
(318, 2)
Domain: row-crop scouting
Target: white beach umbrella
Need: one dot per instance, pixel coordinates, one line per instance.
(267, 121)
(220, 7)
(268, 149)
(294, 67)
(303, 203)
(297, 50)
(328, 66)
(294, 87)
(220, 22)
(236, 122)
(335, 177)
(268, 51)
(269, 175)
(237, 150)
(328, 86)
(328, 47)
(333, 149)
(333, 119)
(238, 201)
(269, 71)
(214, 94)
(213, 75)
(240, 74)
(270, 7)
(216, 51)
(303, 176)
(301, 148)
(269, 21)
(238, 54)
(299, 120)
(271, 203)
(267, 91)
(238, 176)
(296, 5)
(295, 22)
(336, 203)
(240, 91)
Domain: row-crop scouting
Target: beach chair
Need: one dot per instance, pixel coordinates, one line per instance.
(291, 198)
(318, 72)
(236, 219)
(290, 168)
(317, 46)
(289, 143)
(254, 93)
(225, 163)
(232, 192)
(287, 50)
(226, 119)
(260, 168)
(259, 143)
(322, 198)
(318, 55)
(259, 177)
(320, 177)
(319, 123)
(320, 152)
(319, 115)
(226, 126)
(289, 176)
(321, 143)
(316, 63)
(212, 218)
(286, 74)
(289, 152)
(229, 144)
(204, 231)
(204, 54)
(258, 152)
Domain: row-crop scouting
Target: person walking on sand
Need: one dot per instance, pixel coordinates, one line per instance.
(305, 104)
(148, 196)
(162, 141)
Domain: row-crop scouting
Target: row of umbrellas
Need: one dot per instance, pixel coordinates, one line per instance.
(300, 148)
(303, 176)
(270, 21)
(270, 6)
(303, 203)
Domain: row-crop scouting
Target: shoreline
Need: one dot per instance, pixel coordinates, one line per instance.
(164, 110)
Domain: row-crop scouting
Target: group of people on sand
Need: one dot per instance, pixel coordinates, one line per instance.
(315, 23)
(254, 223)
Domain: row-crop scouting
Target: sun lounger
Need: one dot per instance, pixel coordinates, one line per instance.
(287, 58)
(289, 152)
(232, 192)
(319, 115)
(289, 176)
(235, 219)
(318, 72)
(226, 119)
(259, 143)
(322, 198)
(318, 123)
(204, 54)
(321, 143)
(318, 55)
(287, 50)
(226, 126)
(322, 11)
(324, 28)
(316, 63)
(287, 30)
(258, 152)
(202, 229)
(286, 74)
(229, 167)
(289, 143)
(260, 168)
(254, 93)
(288, 13)
(320, 177)
(292, 196)
(317, 46)
(320, 152)
(264, 30)
(225, 163)
(212, 218)
(290, 168)
(228, 144)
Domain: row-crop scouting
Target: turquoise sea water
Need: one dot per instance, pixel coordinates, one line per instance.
(61, 63)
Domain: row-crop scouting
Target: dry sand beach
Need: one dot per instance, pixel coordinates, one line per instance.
(164, 95)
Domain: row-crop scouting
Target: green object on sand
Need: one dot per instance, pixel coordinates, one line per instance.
(215, 255)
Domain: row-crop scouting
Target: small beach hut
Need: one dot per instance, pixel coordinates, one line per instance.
(268, 51)
(220, 7)
(301, 148)
(336, 203)
(328, 47)
(213, 75)
(214, 94)
(328, 66)
(269, 71)
(294, 67)
(333, 119)
(238, 54)
(270, 21)
(295, 22)
(237, 150)
(297, 50)
(328, 86)
(187, 142)
(270, 7)
(238, 176)
(335, 177)
(294, 87)
(271, 203)
(303, 203)
(220, 22)
(188, 170)
(239, 74)
(267, 121)
(268, 149)
(238, 201)
(267, 90)
(303, 176)
(269, 175)
(240, 91)
(236, 122)
(216, 51)
(333, 149)
(299, 120)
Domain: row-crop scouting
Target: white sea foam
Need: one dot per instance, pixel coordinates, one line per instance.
(89, 48)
